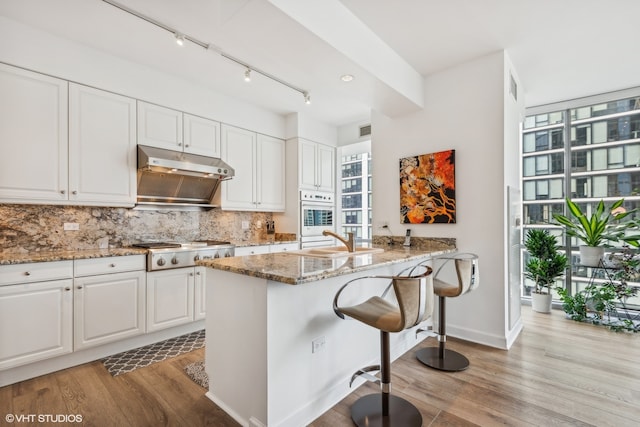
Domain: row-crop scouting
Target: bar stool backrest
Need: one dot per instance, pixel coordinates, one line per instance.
(467, 269)
(415, 298)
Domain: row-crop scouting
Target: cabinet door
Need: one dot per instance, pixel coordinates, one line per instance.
(108, 308)
(270, 155)
(307, 165)
(33, 137)
(169, 298)
(325, 167)
(238, 150)
(252, 250)
(201, 136)
(102, 143)
(36, 321)
(200, 289)
(159, 126)
(284, 247)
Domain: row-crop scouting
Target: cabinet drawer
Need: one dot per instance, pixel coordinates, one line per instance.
(35, 272)
(107, 265)
(284, 247)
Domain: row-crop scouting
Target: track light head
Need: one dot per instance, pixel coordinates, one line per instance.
(179, 39)
(307, 98)
(247, 75)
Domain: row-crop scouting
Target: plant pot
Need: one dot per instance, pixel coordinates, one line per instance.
(541, 302)
(590, 256)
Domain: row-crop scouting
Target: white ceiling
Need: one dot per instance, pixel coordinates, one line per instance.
(561, 49)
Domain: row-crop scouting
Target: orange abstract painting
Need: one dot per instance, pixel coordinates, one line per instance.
(428, 188)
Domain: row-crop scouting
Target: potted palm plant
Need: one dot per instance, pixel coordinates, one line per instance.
(602, 226)
(544, 266)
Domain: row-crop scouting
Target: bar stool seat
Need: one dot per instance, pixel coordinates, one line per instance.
(442, 358)
(414, 296)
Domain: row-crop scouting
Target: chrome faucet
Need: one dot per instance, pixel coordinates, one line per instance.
(350, 244)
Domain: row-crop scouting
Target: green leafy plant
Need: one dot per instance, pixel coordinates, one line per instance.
(545, 263)
(604, 224)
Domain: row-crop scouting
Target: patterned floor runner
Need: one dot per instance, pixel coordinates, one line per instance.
(144, 356)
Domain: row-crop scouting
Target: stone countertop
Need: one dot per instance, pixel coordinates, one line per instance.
(48, 256)
(295, 269)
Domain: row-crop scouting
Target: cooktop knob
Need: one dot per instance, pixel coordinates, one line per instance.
(196, 258)
(217, 255)
(161, 262)
(174, 260)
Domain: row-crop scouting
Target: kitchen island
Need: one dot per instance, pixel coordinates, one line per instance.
(276, 354)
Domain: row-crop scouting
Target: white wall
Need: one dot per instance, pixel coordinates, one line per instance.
(464, 110)
(37, 50)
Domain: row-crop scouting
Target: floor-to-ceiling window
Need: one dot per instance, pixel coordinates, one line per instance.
(587, 150)
(356, 194)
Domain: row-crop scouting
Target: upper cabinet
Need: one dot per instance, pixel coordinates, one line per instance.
(33, 137)
(65, 143)
(102, 147)
(173, 130)
(316, 168)
(258, 160)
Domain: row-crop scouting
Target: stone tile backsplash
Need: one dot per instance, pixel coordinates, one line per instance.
(28, 228)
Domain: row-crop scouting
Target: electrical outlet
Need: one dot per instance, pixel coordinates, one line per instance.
(71, 226)
(259, 224)
(318, 344)
(245, 225)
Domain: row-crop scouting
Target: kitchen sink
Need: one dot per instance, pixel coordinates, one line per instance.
(335, 251)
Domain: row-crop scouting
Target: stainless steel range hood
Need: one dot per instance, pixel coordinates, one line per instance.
(172, 179)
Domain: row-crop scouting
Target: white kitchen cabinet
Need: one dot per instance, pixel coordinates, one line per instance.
(200, 288)
(316, 166)
(36, 315)
(174, 130)
(159, 126)
(102, 147)
(69, 144)
(201, 136)
(170, 298)
(33, 137)
(283, 247)
(109, 299)
(251, 250)
(265, 249)
(258, 160)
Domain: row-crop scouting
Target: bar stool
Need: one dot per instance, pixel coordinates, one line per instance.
(414, 295)
(441, 358)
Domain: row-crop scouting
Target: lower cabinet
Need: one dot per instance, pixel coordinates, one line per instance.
(170, 298)
(108, 307)
(36, 321)
(200, 287)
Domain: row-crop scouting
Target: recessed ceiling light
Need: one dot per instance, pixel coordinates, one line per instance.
(346, 77)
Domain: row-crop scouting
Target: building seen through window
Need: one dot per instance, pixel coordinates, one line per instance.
(599, 161)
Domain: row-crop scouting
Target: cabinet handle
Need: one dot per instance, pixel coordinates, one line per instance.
(62, 191)
(198, 273)
(67, 289)
(27, 273)
(179, 144)
(79, 287)
(191, 274)
(112, 265)
(74, 192)
(186, 145)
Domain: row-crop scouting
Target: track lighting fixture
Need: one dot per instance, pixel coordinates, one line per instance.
(182, 37)
(179, 39)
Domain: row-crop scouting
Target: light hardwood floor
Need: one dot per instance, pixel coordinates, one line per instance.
(558, 372)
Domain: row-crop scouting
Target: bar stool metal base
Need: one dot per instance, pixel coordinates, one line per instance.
(452, 361)
(367, 412)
